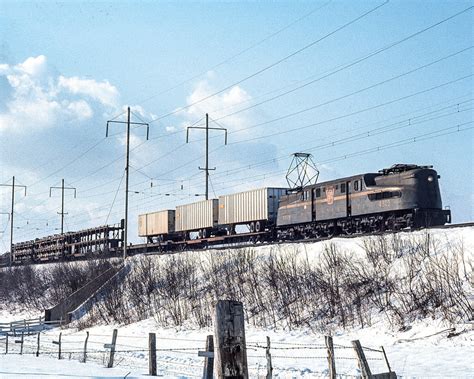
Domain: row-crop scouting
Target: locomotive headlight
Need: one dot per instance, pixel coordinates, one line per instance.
(430, 178)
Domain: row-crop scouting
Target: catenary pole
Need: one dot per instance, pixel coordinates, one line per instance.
(62, 188)
(127, 169)
(12, 213)
(125, 237)
(206, 168)
(11, 219)
(207, 156)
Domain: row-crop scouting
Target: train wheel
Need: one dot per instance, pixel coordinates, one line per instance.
(332, 231)
(252, 227)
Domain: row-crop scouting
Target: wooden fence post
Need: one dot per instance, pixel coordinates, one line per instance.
(22, 341)
(38, 345)
(208, 372)
(386, 359)
(331, 361)
(21, 344)
(231, 352)
(152, 354)
(112, 349)
(84, 357)
(269, 360)
(59, 345)
(364, 366)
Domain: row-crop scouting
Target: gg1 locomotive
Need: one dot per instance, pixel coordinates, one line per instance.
(402, 196)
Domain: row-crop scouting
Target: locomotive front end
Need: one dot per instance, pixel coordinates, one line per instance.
(421, 190)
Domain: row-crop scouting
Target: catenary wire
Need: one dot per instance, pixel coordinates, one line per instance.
(268, 67)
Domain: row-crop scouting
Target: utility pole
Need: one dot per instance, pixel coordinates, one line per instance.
(206, 168)
(62, 188)
(13, 185)
(127, 169)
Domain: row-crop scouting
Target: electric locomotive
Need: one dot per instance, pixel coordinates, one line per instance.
(402, 196)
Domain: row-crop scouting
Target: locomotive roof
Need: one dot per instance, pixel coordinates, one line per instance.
(394, 169)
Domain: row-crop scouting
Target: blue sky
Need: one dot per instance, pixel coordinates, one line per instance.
(68, 67)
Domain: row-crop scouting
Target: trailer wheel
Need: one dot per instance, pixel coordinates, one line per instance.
(252, 227)
(259, 226)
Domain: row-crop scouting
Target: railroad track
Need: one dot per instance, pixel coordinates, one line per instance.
(156, 249)
(149, 247)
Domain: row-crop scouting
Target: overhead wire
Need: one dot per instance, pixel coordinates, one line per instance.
(274, 64)
(461, 78)
(388, 46)
(190, 79)
(422, 137)
(238, 54)
(115, 197)
(411, 121)
(440, 132)
(339, 117)
(343, 67)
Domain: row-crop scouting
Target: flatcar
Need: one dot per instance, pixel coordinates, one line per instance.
(71, 245)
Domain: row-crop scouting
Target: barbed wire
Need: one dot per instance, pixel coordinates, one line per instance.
(372, 349)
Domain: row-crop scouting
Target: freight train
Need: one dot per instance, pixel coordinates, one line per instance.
(399, 197)
(402, 196)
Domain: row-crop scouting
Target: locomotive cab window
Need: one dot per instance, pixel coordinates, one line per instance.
(305, 195)
(343, 187)
(356, 185)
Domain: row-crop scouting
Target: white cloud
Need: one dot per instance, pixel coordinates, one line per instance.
(103, 92)
(218, 105)
(34, 66)
(39, 98)
(80, 109)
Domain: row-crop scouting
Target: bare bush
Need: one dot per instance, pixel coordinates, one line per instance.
(42, 286)
(398, 277)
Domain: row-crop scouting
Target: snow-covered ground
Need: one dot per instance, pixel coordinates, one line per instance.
(422, 351)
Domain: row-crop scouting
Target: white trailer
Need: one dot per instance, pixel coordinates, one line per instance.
(199, 216)
(156, 223)
(256, 208)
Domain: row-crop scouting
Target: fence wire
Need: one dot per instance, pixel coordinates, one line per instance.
(135, 356)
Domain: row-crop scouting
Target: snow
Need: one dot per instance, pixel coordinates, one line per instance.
(15, 366)
(422, 351)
